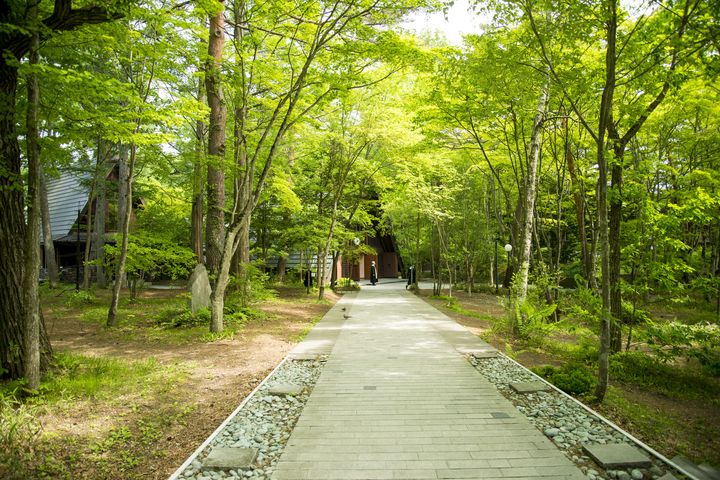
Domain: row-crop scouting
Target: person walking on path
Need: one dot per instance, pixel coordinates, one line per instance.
(373, 273)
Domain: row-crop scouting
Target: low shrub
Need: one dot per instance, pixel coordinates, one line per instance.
(648, 372)
(672, 340)
(573, 378)
(81, 298)
(182, 318)
(346, 284)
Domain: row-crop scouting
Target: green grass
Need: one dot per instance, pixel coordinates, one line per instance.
(79, 382)
(452, 303)
(652, 422)
(674, 380)
(75, 376)
(303, 333)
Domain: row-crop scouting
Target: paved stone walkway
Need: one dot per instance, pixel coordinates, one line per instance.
(397, 399)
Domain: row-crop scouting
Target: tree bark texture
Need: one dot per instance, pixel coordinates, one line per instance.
(50, 261)
(196, 231)
(531, 180)
(16, 43)
(603, 236)
(98, 248)
(112, 320)
(215, 228)
(579, 201)
(32, 237)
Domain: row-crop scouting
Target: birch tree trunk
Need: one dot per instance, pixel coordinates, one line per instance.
(531, 194)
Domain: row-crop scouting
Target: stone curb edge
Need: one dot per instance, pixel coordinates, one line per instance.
(225, 422)
(612, 425)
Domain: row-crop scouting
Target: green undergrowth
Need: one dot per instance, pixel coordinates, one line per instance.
(572, 378)
(158, 319)
(79, 377)
(670, 432)
(75, 385)
(452, 303)
(675, 380)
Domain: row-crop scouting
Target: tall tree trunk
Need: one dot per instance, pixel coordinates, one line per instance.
(123, 189)
(196, 229)
(48, 245)
(333, 272)
(98, 253)
(89, 233)
(603, 237)
(579, 201)
(215, 228)
(531, 194)
(32, 237)
(615, 221)
(125, 233)
(243, 175)
(12, 227)
(12, 312)
(281, 266)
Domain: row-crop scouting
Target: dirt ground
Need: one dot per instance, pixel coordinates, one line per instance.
(221, 375)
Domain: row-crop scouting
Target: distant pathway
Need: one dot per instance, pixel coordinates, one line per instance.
(397, 399)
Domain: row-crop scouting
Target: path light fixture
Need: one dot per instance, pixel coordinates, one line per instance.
(496, 277)
(508, 249)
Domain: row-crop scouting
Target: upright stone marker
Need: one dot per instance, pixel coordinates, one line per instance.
(199, 286)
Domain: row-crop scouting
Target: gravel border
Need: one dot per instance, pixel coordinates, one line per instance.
(263, 422)
(565, 422)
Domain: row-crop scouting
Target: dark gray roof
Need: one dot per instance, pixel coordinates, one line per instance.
(66, 195)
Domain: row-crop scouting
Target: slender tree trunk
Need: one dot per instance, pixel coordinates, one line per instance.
(125, 232)
(417, 249)
(215, 228)
(196, 229)
(579, 201)
(333, 272)
(531, 194)
(32, 237)
(98, 254)
(89, 233)
(281, 265)
(615, 221)
(48, 245)
(603, 237)
(123, 167)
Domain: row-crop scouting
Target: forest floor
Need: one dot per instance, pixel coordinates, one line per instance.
(135, 401)
(145, 422)
(672, 426)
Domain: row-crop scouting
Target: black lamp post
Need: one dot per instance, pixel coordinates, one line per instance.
(77, 253)
(508, 249)
(497, 268)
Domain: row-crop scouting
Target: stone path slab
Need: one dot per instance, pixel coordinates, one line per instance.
(283, 389)
(229, 458)
(529, 387)
(397, 399)
(617, 456)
